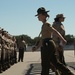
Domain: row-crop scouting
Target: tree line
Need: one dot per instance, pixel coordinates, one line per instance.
(70, 39)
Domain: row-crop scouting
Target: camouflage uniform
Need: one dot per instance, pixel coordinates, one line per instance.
(74, 47)
(0, 53)
(5, 50)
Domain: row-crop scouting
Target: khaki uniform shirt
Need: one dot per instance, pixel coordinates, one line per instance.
(60, 28)
(21, 44)
(46, 30)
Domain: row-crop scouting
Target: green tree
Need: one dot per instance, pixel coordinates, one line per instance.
(69, 38)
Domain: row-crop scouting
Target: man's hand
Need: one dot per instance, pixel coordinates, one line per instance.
(64, 42)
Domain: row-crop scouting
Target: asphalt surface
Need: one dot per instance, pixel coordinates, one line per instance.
(32, 65)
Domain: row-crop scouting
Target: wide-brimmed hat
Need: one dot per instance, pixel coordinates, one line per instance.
(60, 16)
(41, 10)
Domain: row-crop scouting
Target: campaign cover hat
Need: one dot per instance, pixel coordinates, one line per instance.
(41, 10)
(60, 16)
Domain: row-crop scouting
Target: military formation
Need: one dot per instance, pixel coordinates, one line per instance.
(8, 50)
(51, 45)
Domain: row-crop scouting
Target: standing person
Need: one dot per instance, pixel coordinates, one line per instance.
(57, 24)
(48, 47)
(15, 49)
(74, 46)
(21, 47)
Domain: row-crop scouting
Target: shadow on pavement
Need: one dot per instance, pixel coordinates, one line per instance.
(35, 69)
(71, 64)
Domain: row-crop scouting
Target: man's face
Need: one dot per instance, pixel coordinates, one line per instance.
(41, 17)
(62, 19)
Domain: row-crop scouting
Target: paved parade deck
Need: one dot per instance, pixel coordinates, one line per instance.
(32, 66)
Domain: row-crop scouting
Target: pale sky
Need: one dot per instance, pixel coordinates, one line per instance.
(18, 16)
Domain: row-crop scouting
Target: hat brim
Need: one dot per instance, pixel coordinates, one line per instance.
(64, 17)
(36, 14)
(60, 17)
(41, 13)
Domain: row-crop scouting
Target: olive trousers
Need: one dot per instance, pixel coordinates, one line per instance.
(49, 55)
